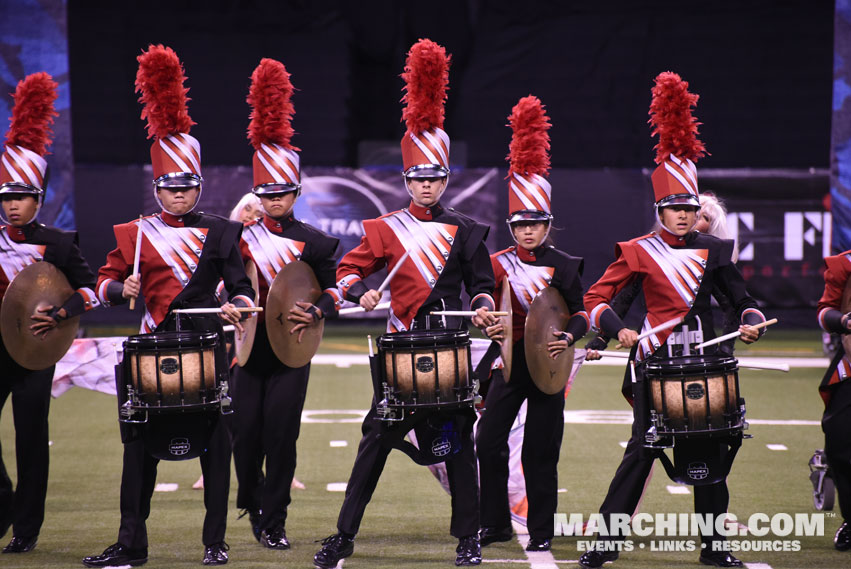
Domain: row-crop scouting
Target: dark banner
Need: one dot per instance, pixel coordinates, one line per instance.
(840, 149)
(34, 37)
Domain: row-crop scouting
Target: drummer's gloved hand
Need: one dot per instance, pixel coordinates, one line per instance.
(304, 314)
(556, 347)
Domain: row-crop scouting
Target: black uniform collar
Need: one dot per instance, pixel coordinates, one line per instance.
(529, 256)
(278, 224)
(179, 221)
(21, 234)
(425, 213)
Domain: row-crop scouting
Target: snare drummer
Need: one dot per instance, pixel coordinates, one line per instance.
(23, 241)
(427, 281)
(269, 396)
(531, 265)
(679, 268)
(835, 388)
(184, 254)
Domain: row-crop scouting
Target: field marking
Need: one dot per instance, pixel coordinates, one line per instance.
(536, 559)
(166, 487)
(757, 565)
(317, 415)
(336, 486)
(677, 489)
(338, 444)
(776, 447)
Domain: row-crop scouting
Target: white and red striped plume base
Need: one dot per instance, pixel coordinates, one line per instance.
(529, 192)
(177, 156)
(675, 181)
(275, 166)
(21, 170)
(426, 153)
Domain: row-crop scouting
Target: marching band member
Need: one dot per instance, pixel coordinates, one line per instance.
(183, 256)
(23, 241)
(447, 252)
(268, 395)
(530, 265)
(836, 390)
(679, 268)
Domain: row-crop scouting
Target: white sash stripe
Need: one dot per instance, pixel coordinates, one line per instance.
(14, 256)
(168, 242)
(674, 262)
(524, 278)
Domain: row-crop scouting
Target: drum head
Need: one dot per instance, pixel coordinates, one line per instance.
(423, 339)
(547, 314)
(506, 349)
(845, 307)
(295, 282)
(243, 343)
(171, 340)
(37, 286)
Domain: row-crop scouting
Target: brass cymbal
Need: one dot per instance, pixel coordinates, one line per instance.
(547, 313)
(506, 348)
(37, 286)
(243, 344)
(295, 282)
(845, 307)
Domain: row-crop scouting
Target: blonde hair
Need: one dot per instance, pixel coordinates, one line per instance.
(249, 198)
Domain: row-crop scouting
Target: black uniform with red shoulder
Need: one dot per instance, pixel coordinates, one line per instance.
(447, 252)
(678, 275)
(182, 259)
(23, 172)
(529, 272)
(269, 396)
(835, 389)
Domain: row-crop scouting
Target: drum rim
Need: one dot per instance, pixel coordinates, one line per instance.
(173, 339)
(424, 338)
(681, 364)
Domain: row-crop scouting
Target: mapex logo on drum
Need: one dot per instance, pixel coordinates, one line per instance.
(697, 470)
(169, 366)
(179, 447)
(440, 447)
(695, 391)
(425, 364)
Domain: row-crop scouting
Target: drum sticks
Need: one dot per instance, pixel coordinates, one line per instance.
(663, 326)
(469, 313)
(216, 310)
(136, 256)
(395, 270)
(735, 334)
(356, 309)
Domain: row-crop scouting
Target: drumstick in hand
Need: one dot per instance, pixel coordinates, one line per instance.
(357, 309)
(136, 259)
(395, 270)
(735, 334)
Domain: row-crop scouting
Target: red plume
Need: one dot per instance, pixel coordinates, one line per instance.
(271, 109)
(426, 82)
(33, 113)
(671, 119)
(160, 81)
(530, 142)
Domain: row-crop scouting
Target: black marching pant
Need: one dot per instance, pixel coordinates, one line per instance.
(542, 438)
(836, 424)
(139, 476)
(268, 400)
(30, 391)
(372, 455)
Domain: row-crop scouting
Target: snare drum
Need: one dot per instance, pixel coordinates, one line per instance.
(172, 371)
(425, 369)
(695, 396)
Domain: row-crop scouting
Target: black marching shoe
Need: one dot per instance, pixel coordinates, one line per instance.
(536, 544)
(216, 554)
(117, 554)
(469, 551)
(21, 544)
(334, 547)
(842, 539)
(595, 558)
(719, 559)
(275, 538)
(489, 535)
